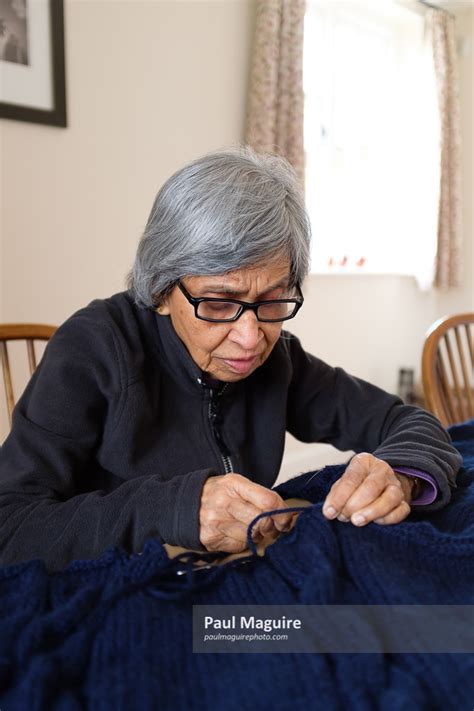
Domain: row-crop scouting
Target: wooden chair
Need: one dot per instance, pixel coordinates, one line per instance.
(29, 332)
(448, 368)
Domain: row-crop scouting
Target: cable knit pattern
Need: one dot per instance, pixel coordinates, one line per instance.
(275, 102)
(116, 633)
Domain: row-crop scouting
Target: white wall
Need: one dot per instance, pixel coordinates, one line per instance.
(150, 85)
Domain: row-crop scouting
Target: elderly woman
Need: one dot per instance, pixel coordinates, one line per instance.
(162, 411)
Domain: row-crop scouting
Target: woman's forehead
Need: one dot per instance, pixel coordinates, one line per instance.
(260, 277)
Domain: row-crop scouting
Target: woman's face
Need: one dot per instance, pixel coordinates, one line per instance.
(229, 351)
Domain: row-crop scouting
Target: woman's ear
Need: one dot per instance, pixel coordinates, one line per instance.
(165, 299)
(163, 309)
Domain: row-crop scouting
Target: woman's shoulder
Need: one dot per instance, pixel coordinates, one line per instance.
(106, 329)
(91, 359)
(112, 311)
(115, 314)
(289, 346)
(290, 351)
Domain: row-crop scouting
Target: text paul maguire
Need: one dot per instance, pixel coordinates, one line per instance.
(251, 623)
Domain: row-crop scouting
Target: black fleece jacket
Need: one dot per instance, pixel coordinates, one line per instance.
(117, 432)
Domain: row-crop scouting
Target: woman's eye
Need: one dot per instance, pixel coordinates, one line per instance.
(217, 309)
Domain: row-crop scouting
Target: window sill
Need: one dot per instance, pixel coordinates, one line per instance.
(335, 271)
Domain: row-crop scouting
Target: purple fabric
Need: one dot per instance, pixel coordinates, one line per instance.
(429, 492)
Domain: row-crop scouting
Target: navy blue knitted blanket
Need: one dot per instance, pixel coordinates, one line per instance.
(116, 633)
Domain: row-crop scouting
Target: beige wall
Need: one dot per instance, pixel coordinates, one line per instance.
(150, 85)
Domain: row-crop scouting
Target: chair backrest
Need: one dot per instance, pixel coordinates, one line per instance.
(29, 332)
(448, 368)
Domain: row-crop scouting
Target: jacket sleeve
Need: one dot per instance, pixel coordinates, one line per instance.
(326, 404)
(73, 398)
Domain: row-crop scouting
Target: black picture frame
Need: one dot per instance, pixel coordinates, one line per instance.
(57, 116)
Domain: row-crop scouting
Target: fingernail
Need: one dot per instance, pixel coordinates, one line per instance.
(379, 520)
(330, 511)
(358, 519)
(342, 518)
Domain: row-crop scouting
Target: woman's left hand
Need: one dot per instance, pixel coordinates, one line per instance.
(369, 490)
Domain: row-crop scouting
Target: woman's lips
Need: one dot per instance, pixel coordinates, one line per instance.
(240, 365)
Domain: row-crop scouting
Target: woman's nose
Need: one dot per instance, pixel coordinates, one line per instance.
(246, 331)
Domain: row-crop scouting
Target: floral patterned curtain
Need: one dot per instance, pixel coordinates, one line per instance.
(276, 104)
(448, 258)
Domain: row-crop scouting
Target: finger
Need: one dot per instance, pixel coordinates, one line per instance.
(395, 516)
(348, 483)
(229, 536)
(390, 500)
(369, 491)
(380, 476)
(267, 525)
(245, 512)
(372, 492)
(407, 483)
(263, 499)
(285, 524)
(237, 531)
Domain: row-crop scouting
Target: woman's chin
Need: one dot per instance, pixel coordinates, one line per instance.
(231, 371)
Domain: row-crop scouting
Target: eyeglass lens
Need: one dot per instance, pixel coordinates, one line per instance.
(227, 310)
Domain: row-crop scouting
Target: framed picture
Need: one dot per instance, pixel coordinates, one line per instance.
(32, 72)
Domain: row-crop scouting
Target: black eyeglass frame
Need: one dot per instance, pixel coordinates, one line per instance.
(244, 306)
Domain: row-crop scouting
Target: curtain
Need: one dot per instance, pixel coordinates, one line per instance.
(448, 258)
(275, 103)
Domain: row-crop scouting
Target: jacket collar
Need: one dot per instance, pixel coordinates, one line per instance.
(176, 358)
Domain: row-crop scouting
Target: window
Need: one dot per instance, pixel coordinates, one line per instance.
(371, 139)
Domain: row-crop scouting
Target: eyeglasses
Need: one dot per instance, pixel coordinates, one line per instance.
(225, 310)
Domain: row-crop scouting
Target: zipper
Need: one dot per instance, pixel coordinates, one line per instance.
(215, 420)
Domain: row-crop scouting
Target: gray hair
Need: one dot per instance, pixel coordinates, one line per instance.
(227, 210)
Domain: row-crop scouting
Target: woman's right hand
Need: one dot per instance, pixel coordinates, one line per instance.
(228, 503)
